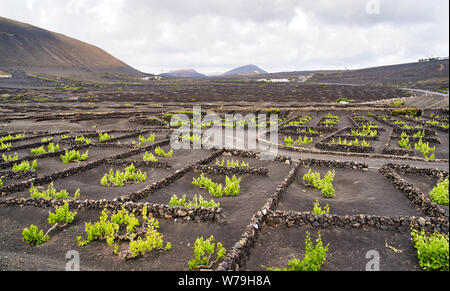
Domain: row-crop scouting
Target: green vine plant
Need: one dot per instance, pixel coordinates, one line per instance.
(38, 151)
(419, 134)
(299, 122)
(5, 145)
(104, 136)
(9, 158)
(432, 250)
(232, 163)
(231, 188)
(439, 194)
(289, 142)
(149, 157)
(151, 138)
(34, 236)
(425, 149)
(194, 203)
(312, 179)
(194, 137)
(314, 258)
(206, 254)
(136, 144)
(10, 137)
(61, 218)
(25, 166)
(51, 193)
(161, 153)
(46, 139)
(83, 139)
(307, 130)
(118, 178)
(404, 143)
(364, 132)
(354, 142)
(74, 155)
(51, 148)
(1, 182)
(317, 210)
(123, 226)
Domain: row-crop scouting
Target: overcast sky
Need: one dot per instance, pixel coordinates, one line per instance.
(218, 35)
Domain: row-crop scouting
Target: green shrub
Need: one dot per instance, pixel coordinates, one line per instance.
(200, 202)
(314, 258)
(149, 157)
(104, 136)
(33, 235)
(317, 210)
(301, 121)
(46, 139)
(10, 137)
(51, 193)
(143, 237)
(432, 250)
(404, 143)
(312, 179)
(83, 139)
(354, 142)
(364, 132)
(118, 178)
(151, 138)
(160, 152)
(194, 137)
(231, 163)
(303, 140)
(38, 151)
(62, 214)
(204, 253)
(5, 145)
(425, 149)
(232, 186)
(288, 141)
(74, 155)
(25, 166)
(439, 194)
(10, 158)
(411, 112)
(51, 147)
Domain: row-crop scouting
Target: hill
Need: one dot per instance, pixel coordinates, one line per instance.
(185, 73)
(423, 75)
(429, 75)
(246, 70)
(35, 50)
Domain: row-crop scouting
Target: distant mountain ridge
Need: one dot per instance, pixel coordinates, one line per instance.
(35, 50)
(246, 70)
(184, 73)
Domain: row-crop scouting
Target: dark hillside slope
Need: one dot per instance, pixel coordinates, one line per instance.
(35, 50)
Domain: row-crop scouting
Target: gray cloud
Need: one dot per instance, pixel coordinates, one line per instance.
(278, 35)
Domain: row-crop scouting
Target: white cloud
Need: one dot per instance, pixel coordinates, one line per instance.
(278, 35)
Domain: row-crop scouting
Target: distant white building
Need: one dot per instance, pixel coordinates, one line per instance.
(151, 78)
(4, 75)
(274, 80)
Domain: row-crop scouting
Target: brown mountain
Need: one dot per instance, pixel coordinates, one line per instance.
(35, 50)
